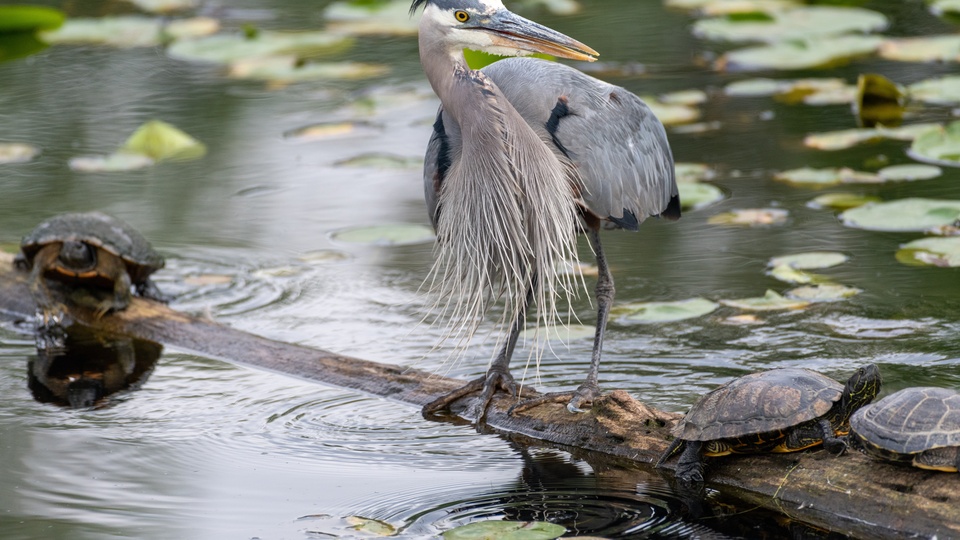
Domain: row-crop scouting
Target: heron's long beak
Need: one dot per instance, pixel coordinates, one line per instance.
(511, 31)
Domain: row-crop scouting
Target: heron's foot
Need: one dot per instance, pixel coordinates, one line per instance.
(578, 401)
(51, 329)
(487, 386)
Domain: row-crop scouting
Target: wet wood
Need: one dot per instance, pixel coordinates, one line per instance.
(851, 494)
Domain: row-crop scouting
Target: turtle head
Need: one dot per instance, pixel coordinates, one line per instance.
(860, 390)
(77, 254)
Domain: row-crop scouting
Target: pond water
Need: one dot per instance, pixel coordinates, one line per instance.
(206, 449)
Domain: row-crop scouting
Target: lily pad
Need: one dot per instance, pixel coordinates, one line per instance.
(381, 160)
(771, 301)
(17, 152)
(801, 23)
(557, 7)
(671, 115)
(848, 138)
(385, 235)
(755, 87)
(942, 252)
(663, 312)
(287, 69)
(120, 31)
(331, 130)
(570, 332)
(684, 97)
(325, 256)
(29, 18)
(229, 48)
(915, 214)
(937, 91)
(810, 260)
(506, 530)
(693, 172)
(733, 7)
(878, 101)
(842, 200)
(824, 292)
(789, 274)
(161, 141)
(790, 55)
(371, 526)
(116, 162)
(696, 195)
(165, 6)
(751, 217)
(940, 146)
(371, 18)
(909, 172)
(807, 176)
(944, 48)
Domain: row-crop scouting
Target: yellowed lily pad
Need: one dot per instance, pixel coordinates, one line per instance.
(829, 176)
(332, 130)
(789, 274)
(371, 526)
(848, 138)
(506, 530)
(914, 214)
(942, 252)
(664, 312)
(800, 23)
(909, 172)
(939, 146)
(381, 160)
(824, 292)
(672, 114)
(229, 48)
(751, 217)
(842, 200)
(693, 172)
(790, 55)
(287, 69)
(771, 301)
(17, 152)
(385, 235)
(944, 48)
(810, 260)
(116, 162)
(697, 195)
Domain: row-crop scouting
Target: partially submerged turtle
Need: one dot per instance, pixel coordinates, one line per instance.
(92, 250)
(918, 425)
(780, 410)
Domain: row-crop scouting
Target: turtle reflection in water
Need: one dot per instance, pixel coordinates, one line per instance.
(780, 410)
(98, 252)
(918, 425)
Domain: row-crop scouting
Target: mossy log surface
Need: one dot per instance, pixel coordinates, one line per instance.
(851, 494)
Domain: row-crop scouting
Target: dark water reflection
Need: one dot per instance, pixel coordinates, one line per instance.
(209, 450)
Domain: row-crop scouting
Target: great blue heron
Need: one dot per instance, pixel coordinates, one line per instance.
(524, 154)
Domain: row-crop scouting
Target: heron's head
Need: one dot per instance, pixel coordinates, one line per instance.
(488, 26)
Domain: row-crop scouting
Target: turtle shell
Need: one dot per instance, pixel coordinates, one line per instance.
(761, 402)
(97, 229)
(911, 421)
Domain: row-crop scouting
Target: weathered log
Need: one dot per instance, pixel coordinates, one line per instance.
(852, 494)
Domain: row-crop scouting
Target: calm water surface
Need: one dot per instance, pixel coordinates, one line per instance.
(205, 449)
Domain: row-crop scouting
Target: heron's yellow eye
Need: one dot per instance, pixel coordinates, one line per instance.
(462, 16)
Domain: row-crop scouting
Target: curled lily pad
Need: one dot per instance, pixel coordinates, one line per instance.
(942, 252)
(810, 260)
(789, 55)
(29, 18)
(842, 200)
(751, 217)
(696, 195)
(914, 214)
(330, 130)
(17, 152)
(116, 162)
(878, 100)
(160, 141)
(229, 48)
(570, 332)
(939, 145)
(825, 177)
(938, 91)
(912, 171)
(385, 235)
(663, 312)
(771, 301)
(824, 292)
(506, 530)
(847, 138)
(693, 172)
(945, 48)
(801, 23)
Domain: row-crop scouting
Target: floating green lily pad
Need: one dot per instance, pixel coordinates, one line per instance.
(570, 332)
(848, 138)
(671, 115)
(842, 200)
(810, 260)
(942, 252)
(811, 91)
(751, 217)
(913, 214)
(790, 55)
(371, 526)
(165, 6)
(385, 235)
(116, 162)
(693, 172)
(945, 48)
(161, 141)
(802, 23)
(381, 160)
(696, 195)
(824, 292)
(17, 152)
(733, 7)
(506, 530)
(939, 145)
(331, 130)
(663, 312)
(229, 48)
(288, 69)
(771, 301)
(807, 176)
(684, 97)
(29, 18)
(909, 172)
(789, 274)
(755, 87)
(120, 31)
(371, 18)
(938, 91)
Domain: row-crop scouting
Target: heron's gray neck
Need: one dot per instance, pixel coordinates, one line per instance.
(440, 62)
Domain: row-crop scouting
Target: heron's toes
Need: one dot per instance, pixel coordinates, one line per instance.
(583, 397)
(487, 386)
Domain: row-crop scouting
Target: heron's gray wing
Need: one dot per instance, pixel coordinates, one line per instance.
(444, 145)
(618, 146)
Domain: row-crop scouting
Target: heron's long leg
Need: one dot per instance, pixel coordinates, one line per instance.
(583, 396)
(498, 376)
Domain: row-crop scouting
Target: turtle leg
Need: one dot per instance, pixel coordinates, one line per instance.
(833, 444)
(120, 298)
(51, 314)
(148, 289)
(690, 467)
(675, 446)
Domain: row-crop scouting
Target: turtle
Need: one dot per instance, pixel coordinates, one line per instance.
(919, 425)
(779, 410)
(93, 250)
